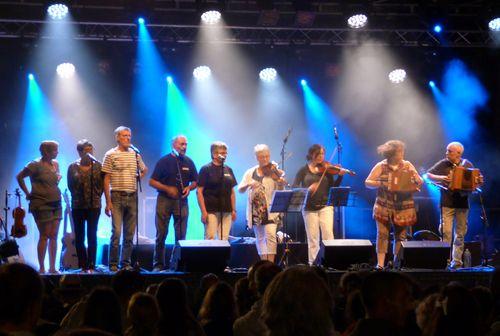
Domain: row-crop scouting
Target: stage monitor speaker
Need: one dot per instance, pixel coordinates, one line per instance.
(202, 255)
(342, 253)
(424, 254)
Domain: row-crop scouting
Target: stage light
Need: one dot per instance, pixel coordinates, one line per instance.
(141, 21)
(211, 17)
(57, 11)
(432, 84)
(31, 76)
(437, 28)
(268, 74)
(202, 72)
(357, 21)
(397, 76)
(170, 80)
(65, 70)
(494, 24)
(303, 82)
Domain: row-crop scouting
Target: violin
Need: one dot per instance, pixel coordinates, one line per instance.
(332, 169)
(271, 170)
(18, 230)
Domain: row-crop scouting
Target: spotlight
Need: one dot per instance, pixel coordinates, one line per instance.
(268, 74)
(432, 84)
(211, 17)
(141, 21)
(170, 80)
(357, 21)
(202, 72)
(65, 70)
(437, 28)
(57, 11)
(397, 76)
(494, 24)
(303, 82)
(31, 76)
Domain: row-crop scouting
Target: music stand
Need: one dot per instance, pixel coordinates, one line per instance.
(339, 197)
(288, 201)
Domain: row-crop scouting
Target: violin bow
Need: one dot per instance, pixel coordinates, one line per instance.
(324, 173)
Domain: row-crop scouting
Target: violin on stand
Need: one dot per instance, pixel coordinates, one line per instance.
(18, 230)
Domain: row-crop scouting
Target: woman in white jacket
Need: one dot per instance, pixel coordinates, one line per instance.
(261, 181)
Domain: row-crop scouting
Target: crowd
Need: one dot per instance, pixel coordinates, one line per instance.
(268, 301)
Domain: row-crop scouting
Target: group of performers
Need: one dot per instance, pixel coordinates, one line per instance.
(175, 176)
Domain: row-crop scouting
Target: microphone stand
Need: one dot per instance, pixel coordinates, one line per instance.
(181, 185)
(137, 265)
(340, 218)
(286, 253)
(221, 212)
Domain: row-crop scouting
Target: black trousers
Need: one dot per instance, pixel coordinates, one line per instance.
(86, 257)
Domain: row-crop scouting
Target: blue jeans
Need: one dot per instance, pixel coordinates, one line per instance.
(124, 211)
(460, 216)
(166, 208)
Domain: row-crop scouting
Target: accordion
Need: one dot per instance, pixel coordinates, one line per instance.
(401, 181)
(464, 179)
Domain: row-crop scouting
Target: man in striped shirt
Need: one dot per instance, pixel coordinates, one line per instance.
(120, 167)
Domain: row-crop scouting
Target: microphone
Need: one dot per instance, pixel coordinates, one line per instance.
(285, 140)
(91, 157)
(175, 153)
(335, 133)
(221, 157)
(135, 149)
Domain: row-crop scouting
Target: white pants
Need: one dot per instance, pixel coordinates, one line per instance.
(213, 227)
(265, 238)
(316, 221)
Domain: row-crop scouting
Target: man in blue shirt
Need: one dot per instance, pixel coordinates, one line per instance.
(174, 177)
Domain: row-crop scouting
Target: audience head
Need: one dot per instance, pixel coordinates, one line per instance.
(126, 283)
(298, 302)
(21, 291)
(172, 297)
(102, 311)
(219, 304)
(388, 296)
(264, 275)
(143, 313)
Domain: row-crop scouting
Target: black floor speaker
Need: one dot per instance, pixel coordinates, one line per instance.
(340, 254)
(201, 255)
(424, 254)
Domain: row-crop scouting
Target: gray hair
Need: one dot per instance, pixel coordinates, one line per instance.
(261, 148)
(217, 145)
(177, 137)
(456, 144)
(80, 145)
(121, 129)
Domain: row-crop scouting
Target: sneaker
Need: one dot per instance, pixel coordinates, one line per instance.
(113, 268)
(157, 269)
(127, 268)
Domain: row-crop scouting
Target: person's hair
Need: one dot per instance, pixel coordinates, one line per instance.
(121, 129)
(381, 286)
(143, 313)
(313, 151)
(389, 148)
(21, 290)
(245, 298)
(219, 304)
(456, 144)
(261, 148)
(264, 275)
(298, 302)
(175, 138)
(349, 282)
(82, 144)
(125, 283)
(217, 145)
(48, 145)
(102, 310)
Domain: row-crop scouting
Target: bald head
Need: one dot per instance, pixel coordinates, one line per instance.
(179, 144)
(454, 152)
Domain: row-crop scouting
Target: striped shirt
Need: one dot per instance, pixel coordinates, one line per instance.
(122, 167)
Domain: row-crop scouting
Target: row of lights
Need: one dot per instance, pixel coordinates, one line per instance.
(211, 17)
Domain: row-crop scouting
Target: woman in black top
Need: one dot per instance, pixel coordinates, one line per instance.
(318, 217)
(85, 183)
(216, 196)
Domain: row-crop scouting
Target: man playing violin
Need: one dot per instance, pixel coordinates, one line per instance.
(393, 207)
(454, 204)
(318, 216)
(261, 181)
